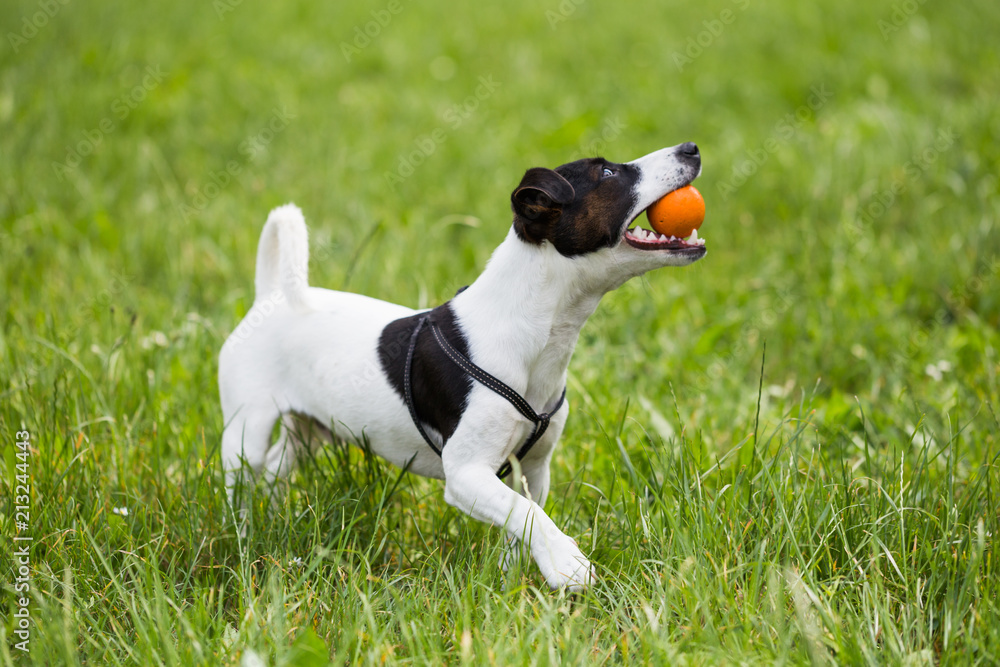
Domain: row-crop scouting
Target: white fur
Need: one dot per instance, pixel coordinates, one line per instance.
(309, 351)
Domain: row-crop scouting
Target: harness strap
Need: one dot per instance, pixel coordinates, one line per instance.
(540, 421)
(408, 383)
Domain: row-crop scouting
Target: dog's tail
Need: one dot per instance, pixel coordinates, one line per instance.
(283, 257)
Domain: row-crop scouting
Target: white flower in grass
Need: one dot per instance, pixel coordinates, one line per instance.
(154, 339)
(251, 659)
(937, 371)
(122, 511)
(296, 561)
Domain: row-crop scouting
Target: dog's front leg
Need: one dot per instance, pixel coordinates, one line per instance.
(534, 482)
(476, 490)
(472, 486)
(533, 485)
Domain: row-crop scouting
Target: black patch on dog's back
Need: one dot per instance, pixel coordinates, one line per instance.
(440, 388)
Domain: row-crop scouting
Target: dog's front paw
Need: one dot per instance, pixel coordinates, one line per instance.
(564, 566)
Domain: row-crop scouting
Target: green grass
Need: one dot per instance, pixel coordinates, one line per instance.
(837, 505)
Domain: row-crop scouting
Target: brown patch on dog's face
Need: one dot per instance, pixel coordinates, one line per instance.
(579, 207)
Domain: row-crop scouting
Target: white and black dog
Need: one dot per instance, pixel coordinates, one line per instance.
(484, 380)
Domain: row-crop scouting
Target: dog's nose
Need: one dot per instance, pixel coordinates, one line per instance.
(688, 148)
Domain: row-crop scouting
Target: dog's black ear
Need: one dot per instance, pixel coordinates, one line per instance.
(538, 202)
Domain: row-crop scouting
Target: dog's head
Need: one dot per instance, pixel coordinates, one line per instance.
(585, 209)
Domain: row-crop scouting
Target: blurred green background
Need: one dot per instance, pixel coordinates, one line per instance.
(850, 173)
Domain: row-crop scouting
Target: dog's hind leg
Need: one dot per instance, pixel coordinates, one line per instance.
(245, 442)
(297, 433)
(280, 458)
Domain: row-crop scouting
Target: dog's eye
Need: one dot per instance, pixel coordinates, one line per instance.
(608, 172)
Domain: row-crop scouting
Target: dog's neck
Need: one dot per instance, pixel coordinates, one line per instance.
(524, 313)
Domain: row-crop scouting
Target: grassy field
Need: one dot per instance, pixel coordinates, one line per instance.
(833, 500)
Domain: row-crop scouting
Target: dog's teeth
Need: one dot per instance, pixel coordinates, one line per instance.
(694, 237)
(663, 237)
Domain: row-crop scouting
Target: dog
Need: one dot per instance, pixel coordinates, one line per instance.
(458, 391)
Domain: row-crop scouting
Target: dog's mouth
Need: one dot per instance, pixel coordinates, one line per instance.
(644, 239)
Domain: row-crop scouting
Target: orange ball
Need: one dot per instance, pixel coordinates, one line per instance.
(678, 213)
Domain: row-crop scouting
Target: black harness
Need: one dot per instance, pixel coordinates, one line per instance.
(541, 421)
